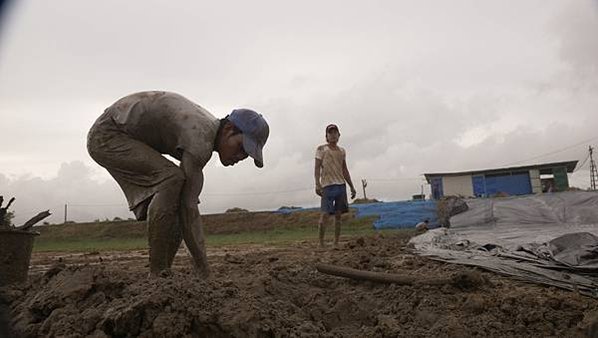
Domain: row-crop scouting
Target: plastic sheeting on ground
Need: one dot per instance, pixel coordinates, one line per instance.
(404, 214)
(549, 239)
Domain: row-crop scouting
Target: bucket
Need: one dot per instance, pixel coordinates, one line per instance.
(15, 255)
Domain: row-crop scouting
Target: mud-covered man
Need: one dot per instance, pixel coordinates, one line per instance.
(129, 140)
(331, 175)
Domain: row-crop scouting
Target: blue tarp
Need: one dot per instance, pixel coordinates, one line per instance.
(392, 215)
(397, 215)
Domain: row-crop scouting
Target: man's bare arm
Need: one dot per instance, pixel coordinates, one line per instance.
(317, 169)
(347, 177)
(189, 218)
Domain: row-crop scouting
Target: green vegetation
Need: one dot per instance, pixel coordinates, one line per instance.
(221, 229)
(288, 235)
(85, 245)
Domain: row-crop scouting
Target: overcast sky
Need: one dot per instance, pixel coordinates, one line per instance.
(415, 87)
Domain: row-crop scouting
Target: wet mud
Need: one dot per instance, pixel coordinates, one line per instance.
(259, 291)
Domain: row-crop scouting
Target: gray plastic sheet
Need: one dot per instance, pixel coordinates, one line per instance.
(550, 239)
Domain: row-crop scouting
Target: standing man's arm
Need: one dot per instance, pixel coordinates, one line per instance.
(317, 170)
(347, 177)
(190, 221)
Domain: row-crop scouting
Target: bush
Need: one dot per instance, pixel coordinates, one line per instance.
(284, 207)
(8, 218)
(236, 209)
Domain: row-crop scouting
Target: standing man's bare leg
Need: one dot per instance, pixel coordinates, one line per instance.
(322, 228)
(337, 227)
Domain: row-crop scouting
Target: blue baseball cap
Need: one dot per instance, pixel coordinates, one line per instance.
(255, 132)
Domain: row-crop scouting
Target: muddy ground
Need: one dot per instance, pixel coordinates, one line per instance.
(277, 292)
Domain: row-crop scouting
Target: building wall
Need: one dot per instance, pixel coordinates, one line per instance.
(457, 185)
(494, 182)
(534, 176)
(560, 178)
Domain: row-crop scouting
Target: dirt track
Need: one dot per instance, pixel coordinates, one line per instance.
(277, 292)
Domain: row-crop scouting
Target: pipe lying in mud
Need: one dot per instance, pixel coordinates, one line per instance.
(384, 277)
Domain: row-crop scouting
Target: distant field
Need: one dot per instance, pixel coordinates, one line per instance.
(221, 229)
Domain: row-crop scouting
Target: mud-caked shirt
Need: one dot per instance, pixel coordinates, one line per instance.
(129, 138)
(332, 164)
(167, 122)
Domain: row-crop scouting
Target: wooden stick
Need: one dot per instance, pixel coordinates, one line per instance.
(380, 277)
(9, 203)
(34, 220)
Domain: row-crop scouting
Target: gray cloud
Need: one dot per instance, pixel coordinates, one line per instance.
(73, 185)
(432, 86)
(575, 31)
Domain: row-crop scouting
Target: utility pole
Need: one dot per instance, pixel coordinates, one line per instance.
(364, 183)
(593, 171)
(65, 212)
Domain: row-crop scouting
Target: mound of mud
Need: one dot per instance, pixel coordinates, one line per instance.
(277, 292)
(100, 301)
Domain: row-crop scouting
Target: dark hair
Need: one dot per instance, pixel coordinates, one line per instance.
(223, 122)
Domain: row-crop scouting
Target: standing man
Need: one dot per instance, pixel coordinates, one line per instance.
(129, 140)
(331, 173)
